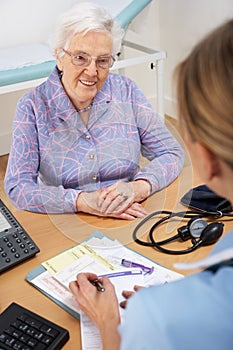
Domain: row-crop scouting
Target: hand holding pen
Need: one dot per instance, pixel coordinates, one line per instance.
(95, 303)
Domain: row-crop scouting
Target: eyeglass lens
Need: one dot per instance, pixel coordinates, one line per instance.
(83, 59)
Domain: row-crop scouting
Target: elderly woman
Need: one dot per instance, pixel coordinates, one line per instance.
(77, 137)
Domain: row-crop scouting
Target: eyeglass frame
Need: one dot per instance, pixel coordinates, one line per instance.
(89, 59)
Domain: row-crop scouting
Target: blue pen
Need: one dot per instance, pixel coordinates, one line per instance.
(121, 273)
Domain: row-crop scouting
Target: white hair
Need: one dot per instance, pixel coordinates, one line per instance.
(85, 17)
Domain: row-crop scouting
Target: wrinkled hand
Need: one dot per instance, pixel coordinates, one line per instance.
(100, 307)
(127, 294)
(121, 195)
(90, 202)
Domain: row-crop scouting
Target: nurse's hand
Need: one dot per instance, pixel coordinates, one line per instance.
(100, 307)
(128, 294)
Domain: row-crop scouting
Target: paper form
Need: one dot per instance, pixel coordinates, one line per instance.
(63, 268)
(84, 264)
(100, 255)
(48, 284)
(69, 256)
(90, 335)
(114, 251)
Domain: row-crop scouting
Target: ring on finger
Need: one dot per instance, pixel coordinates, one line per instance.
(123, 195)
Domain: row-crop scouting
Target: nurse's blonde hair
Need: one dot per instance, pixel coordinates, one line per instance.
(205, 92)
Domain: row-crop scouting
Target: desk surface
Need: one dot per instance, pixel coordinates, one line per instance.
(53, 234)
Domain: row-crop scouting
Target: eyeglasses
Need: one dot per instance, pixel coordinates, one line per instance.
(82, 59)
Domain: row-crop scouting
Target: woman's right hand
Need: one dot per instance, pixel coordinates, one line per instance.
(100, 307)
(87, 202)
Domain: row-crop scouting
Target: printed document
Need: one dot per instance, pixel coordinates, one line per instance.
(102, 256)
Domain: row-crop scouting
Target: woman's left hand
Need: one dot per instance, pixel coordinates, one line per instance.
(121, 195)
(128, 294)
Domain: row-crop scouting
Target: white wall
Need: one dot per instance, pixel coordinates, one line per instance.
(182, 24)
(29, 21)
(175, 26)
(171, 25)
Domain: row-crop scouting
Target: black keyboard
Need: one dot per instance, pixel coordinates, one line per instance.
(15, 243)
(22, 329)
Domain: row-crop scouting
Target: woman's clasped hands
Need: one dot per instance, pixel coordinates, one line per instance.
(119, 200)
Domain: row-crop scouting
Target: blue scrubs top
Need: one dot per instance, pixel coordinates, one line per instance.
(193, 313)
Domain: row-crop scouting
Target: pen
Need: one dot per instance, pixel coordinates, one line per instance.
(128, 263)
(122, 273)
(98, 285)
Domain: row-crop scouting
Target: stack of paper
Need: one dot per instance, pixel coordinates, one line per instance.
(101, 255)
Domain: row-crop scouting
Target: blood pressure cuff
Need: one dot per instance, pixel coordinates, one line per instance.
(203, 198)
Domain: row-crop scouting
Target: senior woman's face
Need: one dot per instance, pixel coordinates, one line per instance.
(83, 82)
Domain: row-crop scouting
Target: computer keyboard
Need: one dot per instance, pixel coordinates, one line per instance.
(15, 243)
(22, 329)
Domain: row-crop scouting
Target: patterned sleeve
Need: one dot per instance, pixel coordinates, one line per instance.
(158, 145)
(21, 180)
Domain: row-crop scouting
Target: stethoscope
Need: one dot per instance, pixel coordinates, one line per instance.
(198, 230)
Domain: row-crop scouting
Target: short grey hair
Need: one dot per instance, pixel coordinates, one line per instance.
(85, 17)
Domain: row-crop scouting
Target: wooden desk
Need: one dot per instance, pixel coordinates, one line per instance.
(55, 233)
